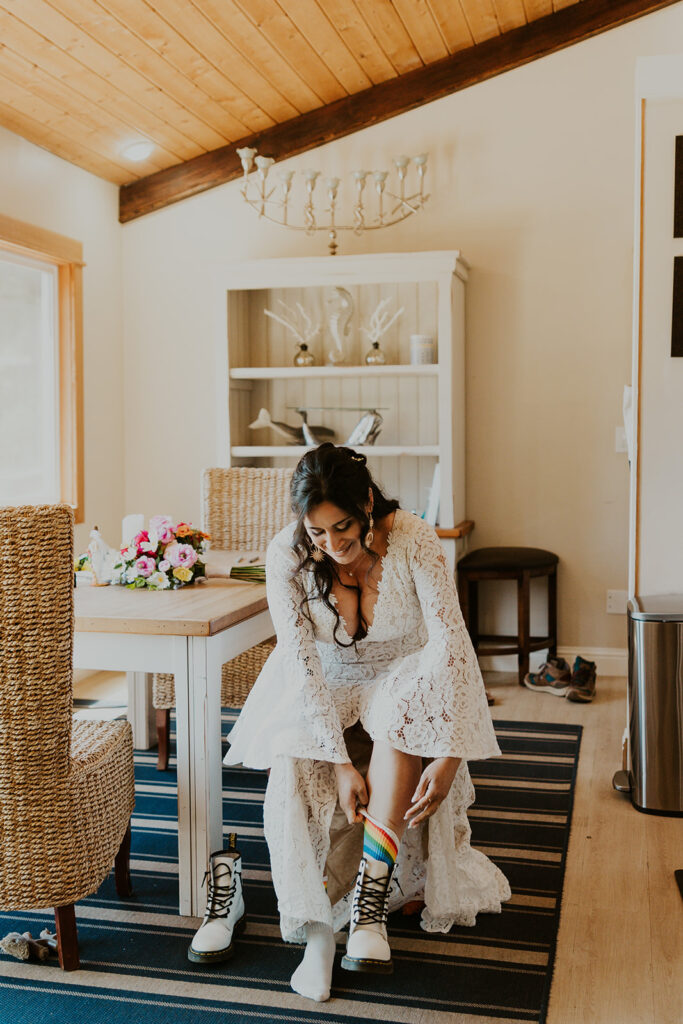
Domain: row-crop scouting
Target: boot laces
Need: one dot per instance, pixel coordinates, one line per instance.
(370, 901)
(219, 898)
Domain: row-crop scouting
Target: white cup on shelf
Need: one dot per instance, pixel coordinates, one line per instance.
(422, 349)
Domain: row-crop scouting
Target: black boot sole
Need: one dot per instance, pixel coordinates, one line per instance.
(216, 956)
(352, 963)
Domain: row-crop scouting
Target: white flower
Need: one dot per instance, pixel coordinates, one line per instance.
(132, 574)
(130, 554)
(153, 542)
(159, 580)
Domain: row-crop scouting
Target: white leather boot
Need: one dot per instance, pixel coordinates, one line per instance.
(225, 916)
(367, 948)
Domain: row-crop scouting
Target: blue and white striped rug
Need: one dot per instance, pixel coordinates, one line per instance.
(134, 968)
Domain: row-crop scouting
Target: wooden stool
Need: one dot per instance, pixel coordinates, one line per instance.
(519, 564)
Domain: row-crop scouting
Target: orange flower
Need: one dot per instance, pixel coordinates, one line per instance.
(183, 530)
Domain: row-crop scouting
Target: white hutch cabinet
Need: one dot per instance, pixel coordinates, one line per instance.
(423, 407)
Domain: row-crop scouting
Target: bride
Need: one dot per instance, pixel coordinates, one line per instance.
(366, 714)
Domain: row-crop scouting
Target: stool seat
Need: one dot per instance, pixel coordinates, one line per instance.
(508, 559)
(522, 565)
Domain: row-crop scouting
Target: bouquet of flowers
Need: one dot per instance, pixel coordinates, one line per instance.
(163, 557)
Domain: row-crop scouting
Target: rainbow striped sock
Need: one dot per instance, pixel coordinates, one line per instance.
(379, 842)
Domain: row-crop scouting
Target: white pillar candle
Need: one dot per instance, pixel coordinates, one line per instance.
(130, 525)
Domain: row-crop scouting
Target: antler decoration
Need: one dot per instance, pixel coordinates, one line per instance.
(297, 322)
(380, 322)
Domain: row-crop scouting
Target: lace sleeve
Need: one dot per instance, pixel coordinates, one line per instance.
(434, 699)
(319, 733)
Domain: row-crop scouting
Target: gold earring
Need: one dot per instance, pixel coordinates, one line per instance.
(317, 555)
(370, 536)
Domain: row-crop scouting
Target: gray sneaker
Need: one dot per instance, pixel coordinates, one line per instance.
(582, 687)
(552, 677)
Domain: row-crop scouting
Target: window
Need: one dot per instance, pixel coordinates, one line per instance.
(41, 444)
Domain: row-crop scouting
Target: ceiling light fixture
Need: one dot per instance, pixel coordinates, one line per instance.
(391, 206)
(138, 151)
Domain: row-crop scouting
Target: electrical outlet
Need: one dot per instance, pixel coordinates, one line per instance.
(616, 602)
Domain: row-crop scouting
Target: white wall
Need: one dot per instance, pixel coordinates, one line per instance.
(660, 485)
(44, 190)
(532, 175)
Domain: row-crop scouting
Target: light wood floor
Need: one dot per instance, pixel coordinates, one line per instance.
(620, 948)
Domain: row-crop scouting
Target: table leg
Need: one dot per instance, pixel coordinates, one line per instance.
(140, 710)
(198, 746)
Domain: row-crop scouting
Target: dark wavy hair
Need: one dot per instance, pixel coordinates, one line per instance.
(341, 476)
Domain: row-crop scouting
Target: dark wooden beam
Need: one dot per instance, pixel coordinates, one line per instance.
(396, 96)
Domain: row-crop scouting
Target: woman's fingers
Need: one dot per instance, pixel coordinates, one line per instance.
(417, 808)
(422, 786)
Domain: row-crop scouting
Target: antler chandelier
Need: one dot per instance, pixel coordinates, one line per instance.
(273, 202)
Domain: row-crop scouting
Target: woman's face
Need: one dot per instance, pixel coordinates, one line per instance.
(335, 532)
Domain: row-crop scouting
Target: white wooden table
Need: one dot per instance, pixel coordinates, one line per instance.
(190, 632)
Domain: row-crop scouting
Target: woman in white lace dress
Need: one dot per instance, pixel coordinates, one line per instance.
(372, 658)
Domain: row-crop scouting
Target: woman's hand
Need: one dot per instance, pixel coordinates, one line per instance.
(432, 789)
(353, 792)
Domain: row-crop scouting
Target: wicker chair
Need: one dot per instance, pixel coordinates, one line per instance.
(66, 788)
(243, 510)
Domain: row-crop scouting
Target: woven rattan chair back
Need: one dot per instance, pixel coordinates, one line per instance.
(245, 507)
(36, 640)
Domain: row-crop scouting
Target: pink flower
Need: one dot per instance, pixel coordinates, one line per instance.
(163, 526)
(187, 555)
(145, 566)
(164, 565)
(171, 553)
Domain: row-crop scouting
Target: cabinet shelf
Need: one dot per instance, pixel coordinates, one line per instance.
(334, 372)
(297, 450)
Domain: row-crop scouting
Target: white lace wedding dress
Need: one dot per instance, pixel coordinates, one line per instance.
(412, 682)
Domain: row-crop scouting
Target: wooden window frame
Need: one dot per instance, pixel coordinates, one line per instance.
(67, 255)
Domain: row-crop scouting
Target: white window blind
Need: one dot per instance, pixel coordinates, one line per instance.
(29, 381)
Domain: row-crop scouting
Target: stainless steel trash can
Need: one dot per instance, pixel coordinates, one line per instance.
(655, 691)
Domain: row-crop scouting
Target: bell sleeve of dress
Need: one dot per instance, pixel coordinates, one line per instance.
(308, 724)
(433, 702)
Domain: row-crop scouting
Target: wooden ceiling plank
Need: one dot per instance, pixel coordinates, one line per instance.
(54, 120)
(143, 21)
(453, 24)
(422, 28)
(476, 64)
(559, 5)
(105, 127)
(48, 139)
(322, 36)
(509, 14)
(109, 66)
(386, 26)
(481, 18)
(23, 40)
(243, 34)
(537, 9)
(275, 26)
(354, 30)
(102, 23)
(207, 39)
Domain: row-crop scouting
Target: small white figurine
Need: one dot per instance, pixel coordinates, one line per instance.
(342, 307)
(102, 558)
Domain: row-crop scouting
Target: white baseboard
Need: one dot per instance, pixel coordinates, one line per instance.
(609, 661)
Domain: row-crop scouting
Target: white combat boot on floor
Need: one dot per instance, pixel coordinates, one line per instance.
(225, 916)
(367, 948)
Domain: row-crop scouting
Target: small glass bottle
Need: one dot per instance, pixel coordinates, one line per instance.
(303, 357)
(375, 357)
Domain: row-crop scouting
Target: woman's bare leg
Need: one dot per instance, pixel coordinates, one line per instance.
(392, 779)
